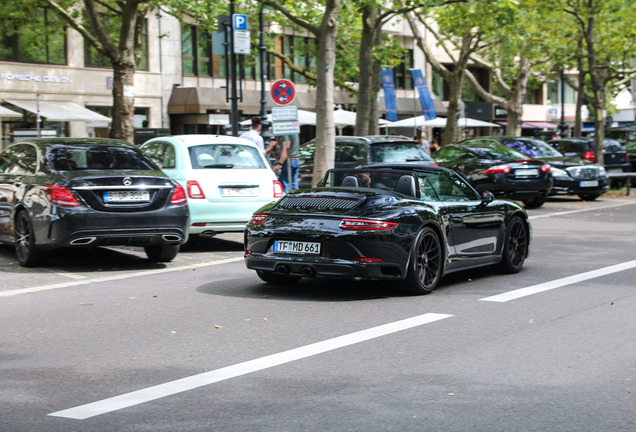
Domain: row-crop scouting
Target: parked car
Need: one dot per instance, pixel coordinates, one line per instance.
(505, 172)
(225, 178)
(80, 192)
(353, 151)
(572, 175)
(615, 158)
(409, 224)
(626, 136)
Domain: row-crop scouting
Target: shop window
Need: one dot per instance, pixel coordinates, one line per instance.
(93, 58)
(40, 38)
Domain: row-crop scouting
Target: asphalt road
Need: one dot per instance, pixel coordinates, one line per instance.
(104, 341)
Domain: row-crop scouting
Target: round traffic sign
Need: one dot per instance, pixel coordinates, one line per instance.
(283, 91)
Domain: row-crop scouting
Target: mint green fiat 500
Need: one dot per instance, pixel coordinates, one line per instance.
(225, 178)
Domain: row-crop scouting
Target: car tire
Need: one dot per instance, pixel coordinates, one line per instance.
(515, 247)
(276, 279)
(425, 266)
(28, 254)
(589, 197)
(535, 202)
(161, 253)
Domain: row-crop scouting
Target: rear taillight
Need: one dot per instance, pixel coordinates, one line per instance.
(61, 196)
(590, 156)
(178, 196)
(498, 169)
(546, 168)
(194, 190)
(434, 164)
(278, 189)
(626, 157)
(366, 225)
(258, 219)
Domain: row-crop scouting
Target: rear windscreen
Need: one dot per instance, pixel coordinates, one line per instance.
(235, 156)
(80, 157)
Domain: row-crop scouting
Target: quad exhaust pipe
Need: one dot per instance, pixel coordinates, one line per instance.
(82, 241)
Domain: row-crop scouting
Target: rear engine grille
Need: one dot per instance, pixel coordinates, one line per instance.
(318, 202)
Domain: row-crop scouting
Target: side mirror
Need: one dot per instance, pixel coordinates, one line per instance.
(487, 197)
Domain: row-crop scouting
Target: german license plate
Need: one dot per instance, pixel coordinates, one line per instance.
(297, 247)
(589, 183)
(126, 196)
(526, 173)
(239, 191)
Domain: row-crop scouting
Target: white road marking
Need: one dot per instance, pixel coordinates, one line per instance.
(567, 212)
(546, 286)
(116, 277)
(170, 388)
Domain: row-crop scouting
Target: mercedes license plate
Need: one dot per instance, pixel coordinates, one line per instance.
(526, 173)
(589, 183)
(297, 247)
(126, 196)
(239, 191)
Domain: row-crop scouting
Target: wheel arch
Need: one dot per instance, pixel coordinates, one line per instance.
(440, 235)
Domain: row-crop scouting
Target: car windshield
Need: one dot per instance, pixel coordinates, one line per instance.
(494, 151)
(236, 156)
(65, 157)
(577, 147)
(398, 152)
(530, 147)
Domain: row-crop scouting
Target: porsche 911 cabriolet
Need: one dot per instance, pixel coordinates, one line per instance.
(409, 225)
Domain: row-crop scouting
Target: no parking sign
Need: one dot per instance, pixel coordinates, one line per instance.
(283, 92)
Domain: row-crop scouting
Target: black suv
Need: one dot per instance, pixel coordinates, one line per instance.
(572, 175)
(355, 151)
(615, 158)
(626, 135)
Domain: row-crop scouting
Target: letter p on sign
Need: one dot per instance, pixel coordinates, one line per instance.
(239, 22)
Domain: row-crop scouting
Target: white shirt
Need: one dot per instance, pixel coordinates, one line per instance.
(256, 138)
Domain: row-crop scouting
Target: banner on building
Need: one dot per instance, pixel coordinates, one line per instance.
(428, 108)
(389, 94)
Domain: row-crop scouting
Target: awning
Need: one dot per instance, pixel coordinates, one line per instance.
(7, 113)
(59, 111)
(532, 125)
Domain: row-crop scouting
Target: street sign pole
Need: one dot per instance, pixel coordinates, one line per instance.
(234, 96)
(265, 132)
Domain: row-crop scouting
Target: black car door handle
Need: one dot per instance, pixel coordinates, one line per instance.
(457, 219)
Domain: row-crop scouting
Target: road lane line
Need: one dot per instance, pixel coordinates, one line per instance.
(567, 212)
(558, 283)
(116, 277)
(170, 388)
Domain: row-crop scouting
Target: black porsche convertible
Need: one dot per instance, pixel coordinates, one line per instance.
(407, 224)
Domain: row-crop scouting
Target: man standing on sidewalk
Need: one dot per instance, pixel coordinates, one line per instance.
(289, 163)
(254, 134)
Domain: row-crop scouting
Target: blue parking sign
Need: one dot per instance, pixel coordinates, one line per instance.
(239, 22)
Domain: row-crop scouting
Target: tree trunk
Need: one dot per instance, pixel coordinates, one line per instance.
(365, 71)
(123, 115)
(451, 131)
(325, 152)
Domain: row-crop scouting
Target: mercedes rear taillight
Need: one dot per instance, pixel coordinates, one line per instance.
(178, 196)
(61, 196)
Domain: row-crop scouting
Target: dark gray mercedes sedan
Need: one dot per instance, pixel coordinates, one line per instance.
(81, 192)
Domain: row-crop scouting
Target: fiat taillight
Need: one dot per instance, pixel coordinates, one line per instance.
(498, 169)
(194, 190)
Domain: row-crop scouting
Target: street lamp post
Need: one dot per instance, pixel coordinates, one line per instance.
(563, 128)
(265, 132)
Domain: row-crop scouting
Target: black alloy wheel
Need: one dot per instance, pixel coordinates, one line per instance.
(161, 253)
(277, 279)
(28, 254)
(425, 267)
(535, 202)
(515, 248)
(589, 197)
